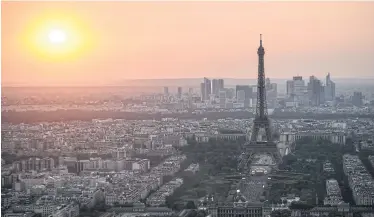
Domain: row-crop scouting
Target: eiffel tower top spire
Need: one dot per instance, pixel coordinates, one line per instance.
(261, 108)
(261, 50)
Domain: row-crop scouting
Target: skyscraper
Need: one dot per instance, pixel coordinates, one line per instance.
(215, 87)
(247, 93)
(179, 94)
(271, 93)
(329, 89)
(222, 99)
(230, 93)
(289, 86)
(240, 96)
(221, 84)
(357, 99)
(322, 94)
(274, 88)
(190, 90)
(315, 90)
(296, 90)
(298, 86)
(166, 91)
(202, 90)
(208, 88)
(267, 83)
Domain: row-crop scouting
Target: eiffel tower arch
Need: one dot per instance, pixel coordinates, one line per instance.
(253, 147)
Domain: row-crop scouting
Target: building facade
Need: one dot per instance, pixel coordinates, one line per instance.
(315, 91)
(334, 137)
(239, 207)
(244, 93)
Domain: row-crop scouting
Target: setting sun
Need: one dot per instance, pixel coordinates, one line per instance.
(57, 36)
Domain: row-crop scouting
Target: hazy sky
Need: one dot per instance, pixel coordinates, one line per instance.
(131, 40)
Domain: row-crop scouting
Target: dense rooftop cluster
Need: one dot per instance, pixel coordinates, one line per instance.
(49, 169)
(333, 194)
(360, 181)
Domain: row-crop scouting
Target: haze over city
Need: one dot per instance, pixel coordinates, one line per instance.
(187, 109)
(103, 43)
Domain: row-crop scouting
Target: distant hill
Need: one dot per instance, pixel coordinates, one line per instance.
(228, 81)
(184, 82)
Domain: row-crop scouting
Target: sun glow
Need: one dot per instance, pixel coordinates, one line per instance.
(57, 37)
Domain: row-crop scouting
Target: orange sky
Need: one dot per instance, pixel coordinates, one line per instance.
(133, 40)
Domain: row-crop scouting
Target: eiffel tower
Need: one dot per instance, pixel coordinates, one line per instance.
(261, 121)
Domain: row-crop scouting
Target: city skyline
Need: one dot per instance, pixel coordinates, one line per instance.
(108, 125)
(120, 46)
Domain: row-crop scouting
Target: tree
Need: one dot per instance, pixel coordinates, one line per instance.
(127, 204)
(84, 209)
(190, 205)
(296, 205)
(201, 213)
(177, 206)
(281, 213)
(192, 213)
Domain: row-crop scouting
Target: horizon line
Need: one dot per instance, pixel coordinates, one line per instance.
(209, 77)
(155, 79)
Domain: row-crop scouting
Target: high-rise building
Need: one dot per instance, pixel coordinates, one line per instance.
(208, 88)
(298, 86)
(289, 88)
(315, 90)
(215, 87)
(222, 98)
(329, 89)
(297, 91)
(202, 90)
(322, 94)
(300, 91)
(240, 96)
(221, 84)
(179, 92)
(271, 93)
(357, 99)
(166, 90)
(190, 90)
(295, 87)
(274, 88)
(267, 83)
(247, 93)
(230, 93)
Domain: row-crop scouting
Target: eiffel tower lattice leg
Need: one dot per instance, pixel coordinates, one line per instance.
(254, 135)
